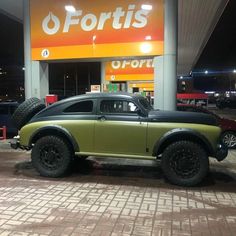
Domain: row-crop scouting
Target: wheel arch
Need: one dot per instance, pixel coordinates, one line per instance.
(57, 131)
(182, 134)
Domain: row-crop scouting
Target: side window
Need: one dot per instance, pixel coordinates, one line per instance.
(83, 106)
(3, 110)
(118, 106)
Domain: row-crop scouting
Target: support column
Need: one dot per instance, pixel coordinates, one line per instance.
(40, 86)
(103, 76)
(27, 49)
(36, 72)
(165, 80)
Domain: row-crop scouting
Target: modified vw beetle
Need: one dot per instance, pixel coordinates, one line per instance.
(118, 125)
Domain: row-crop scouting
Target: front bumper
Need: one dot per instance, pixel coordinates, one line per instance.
(221, 152)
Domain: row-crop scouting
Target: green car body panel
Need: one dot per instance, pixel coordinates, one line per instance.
(115, 137)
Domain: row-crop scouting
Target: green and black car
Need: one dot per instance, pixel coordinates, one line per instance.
(117, 125)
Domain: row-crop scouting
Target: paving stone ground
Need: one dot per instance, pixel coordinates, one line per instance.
(114, 197)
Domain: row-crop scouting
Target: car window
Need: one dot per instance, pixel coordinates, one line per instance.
(83, 106)
(118, 106)
(144, 102)
(3, 110)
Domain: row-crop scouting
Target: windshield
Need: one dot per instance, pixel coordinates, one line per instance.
(146, 105)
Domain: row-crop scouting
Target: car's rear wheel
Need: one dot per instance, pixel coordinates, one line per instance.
(185, 163)
(51, 156)
(26, 110)
(229, 139)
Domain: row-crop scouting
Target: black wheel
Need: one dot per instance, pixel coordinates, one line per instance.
(185, 163)
(229, 139)
(26, 110)
(51, 156)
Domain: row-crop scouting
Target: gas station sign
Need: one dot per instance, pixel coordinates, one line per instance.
(130, 70)
(96, 29)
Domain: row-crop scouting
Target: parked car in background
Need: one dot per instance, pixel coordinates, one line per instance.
(226, 102)
(228, 126)
(117, 125)
(6, 111)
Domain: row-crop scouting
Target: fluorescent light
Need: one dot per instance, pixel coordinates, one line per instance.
(234, 71)
(146, 7)
(149, 37)
(206, 72)
(70, 8)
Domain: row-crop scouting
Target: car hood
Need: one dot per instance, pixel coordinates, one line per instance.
(181, 117)
(227, 123)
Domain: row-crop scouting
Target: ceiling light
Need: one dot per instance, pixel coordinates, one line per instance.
(146, 47)
(146, 7)
(149, 37)
(70, 8)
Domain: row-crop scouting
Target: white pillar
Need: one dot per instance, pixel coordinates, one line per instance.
(40, 86)
(36, 72)
(103, 76)
(27, 49)
(165, 81)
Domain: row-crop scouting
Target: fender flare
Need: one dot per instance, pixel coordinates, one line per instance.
(172, 134)
(57, 129)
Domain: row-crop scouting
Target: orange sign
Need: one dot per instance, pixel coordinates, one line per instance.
(126, 70)
(96, 29)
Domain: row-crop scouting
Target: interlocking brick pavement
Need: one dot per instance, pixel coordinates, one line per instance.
(114, 197)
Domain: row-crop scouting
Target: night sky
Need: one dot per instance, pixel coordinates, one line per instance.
(11, 42)
(220, 51)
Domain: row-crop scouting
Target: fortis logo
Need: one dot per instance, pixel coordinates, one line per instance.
(118, 19)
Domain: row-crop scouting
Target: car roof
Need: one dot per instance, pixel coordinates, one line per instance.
(102, 95)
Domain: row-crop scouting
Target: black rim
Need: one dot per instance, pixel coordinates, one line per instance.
(50, 157)
(185, 163)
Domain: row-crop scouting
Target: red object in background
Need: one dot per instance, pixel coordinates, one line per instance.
(228, 126)
(51, 98)
(4, 133)
(192, 96)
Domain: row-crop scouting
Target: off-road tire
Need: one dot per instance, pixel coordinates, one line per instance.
(26, 111)
(185, 163)
(52, 156)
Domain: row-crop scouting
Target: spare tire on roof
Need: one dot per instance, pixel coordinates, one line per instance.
(26, 111)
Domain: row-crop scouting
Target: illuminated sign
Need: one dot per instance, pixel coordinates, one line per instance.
(95, 29)
(126, 70)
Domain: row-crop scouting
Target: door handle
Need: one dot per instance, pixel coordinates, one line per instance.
(102, 118)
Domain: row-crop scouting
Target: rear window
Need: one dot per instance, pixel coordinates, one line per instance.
(83, 106)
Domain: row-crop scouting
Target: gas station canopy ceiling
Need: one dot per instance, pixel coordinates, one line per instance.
(197, 20)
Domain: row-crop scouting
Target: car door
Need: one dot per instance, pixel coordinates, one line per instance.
(119, 129)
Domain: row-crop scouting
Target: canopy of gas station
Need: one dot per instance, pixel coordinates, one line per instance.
(196, 22)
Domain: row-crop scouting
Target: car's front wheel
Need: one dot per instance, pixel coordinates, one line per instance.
(229, 139)
(51, 156)
(185, 163)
